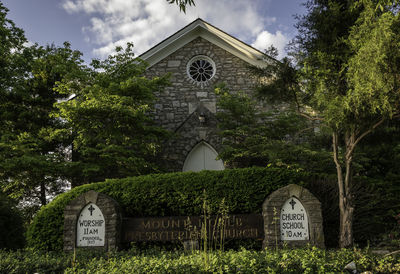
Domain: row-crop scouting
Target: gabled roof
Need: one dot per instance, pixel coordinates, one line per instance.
(200, 28)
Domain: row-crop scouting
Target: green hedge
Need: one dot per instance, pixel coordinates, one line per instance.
(171, 194)
(244, 191)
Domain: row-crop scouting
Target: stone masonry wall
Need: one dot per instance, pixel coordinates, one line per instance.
(111, 213)
(185, 99)
(272, 207)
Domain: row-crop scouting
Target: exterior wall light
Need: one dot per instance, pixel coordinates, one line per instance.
(202, 118)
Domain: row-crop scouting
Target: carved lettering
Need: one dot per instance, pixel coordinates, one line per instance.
(175, 223)
(146, 224)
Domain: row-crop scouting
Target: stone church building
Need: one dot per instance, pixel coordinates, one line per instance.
(198, 57)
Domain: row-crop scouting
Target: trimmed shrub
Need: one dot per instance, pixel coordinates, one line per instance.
(11, 226)
(244, 191)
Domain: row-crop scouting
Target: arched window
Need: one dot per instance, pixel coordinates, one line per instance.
(203, 157)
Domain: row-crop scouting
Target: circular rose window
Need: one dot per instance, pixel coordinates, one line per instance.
(201, 69)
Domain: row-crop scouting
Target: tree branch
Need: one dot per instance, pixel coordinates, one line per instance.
(365, 133)
(338, 169)
(298, 109)
(368, 131)
(303, 130)
(308, 116)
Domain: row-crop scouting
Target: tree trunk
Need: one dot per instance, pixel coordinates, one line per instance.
(43, 193)
(346, 225)
(346, 203)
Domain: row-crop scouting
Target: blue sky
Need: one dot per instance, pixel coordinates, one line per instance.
(95, 27)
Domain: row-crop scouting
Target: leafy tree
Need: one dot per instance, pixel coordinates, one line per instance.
(12, 41)
(347, 78)
(255, 137)
(11, 225)
(33, 165)
(109, 120)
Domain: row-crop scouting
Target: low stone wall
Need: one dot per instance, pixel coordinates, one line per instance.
(291, 216)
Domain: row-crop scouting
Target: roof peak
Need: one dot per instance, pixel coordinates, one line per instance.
(201, 28)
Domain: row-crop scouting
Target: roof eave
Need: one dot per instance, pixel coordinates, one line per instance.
(200, 28)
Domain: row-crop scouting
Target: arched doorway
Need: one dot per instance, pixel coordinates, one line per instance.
(202, 157)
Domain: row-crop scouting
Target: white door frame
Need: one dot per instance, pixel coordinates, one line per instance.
(187, 167)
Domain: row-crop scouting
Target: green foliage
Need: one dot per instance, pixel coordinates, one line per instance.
(284, 87)
(31, 166)
(375, 218)
(253, 137)
(32, 261)
(394, 235)
(346, 65)
(108, 122)
(373, 70)
(11, 226)
(32, 163)
(378, 166)
(243, 191)
(109, 119)
(182, 4)
(173, 194)
(305, 260)
(345, 75)
(12, 40)
(316, 83)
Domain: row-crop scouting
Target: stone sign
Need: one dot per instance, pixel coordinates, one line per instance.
(92, 220)
(292, 215)
(241, 226)
(90, 230)
(293, 221)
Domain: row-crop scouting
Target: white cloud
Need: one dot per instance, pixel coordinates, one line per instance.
(266, 39)
(147, 22)
(28, 43)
